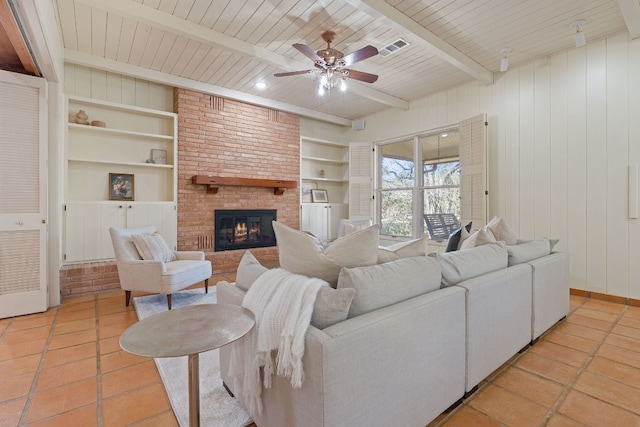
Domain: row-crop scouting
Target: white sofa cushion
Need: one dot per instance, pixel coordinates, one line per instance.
(331, 306)
(468, 263)
(300, 253)
(382, 285)
(408, 249)
(153, 247)
(528, 251)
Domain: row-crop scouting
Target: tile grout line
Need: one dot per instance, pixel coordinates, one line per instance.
(32, 390)
(570, 386)
(98, 363)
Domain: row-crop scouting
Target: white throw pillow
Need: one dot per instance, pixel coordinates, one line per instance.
(501, 231)
(381, 285)
(411, 248)
(249, 270)
(484, 236)
(331, 306)
(153, 247)
(465, 264)
(300, 253)
(528, 251)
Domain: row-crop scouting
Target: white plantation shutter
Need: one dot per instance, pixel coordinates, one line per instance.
(473, 171)
(360, 180)
(22, 194)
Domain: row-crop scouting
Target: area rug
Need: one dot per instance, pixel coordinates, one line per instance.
(217, 407)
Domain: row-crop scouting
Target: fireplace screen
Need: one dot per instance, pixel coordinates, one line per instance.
(244, 229)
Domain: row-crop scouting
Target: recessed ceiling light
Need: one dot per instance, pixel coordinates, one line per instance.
(261, 85)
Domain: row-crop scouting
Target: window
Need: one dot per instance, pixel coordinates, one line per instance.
(404, 196)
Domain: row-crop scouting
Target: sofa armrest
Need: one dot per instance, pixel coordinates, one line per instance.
(189, 255)
(550, 291)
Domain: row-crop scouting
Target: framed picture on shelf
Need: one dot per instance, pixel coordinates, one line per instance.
(159, 156)
(319, 196)
(121, 186)
(305, 195)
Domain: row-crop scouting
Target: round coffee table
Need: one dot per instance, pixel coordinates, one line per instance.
(188, 331)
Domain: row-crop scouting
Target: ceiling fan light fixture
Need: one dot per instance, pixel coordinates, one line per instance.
(261, 85)
(504, 62)
(343, 84)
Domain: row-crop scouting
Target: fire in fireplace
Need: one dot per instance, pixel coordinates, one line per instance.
(244, 229)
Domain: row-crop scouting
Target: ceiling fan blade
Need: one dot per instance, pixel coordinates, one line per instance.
(362, 76)
(308, 52)
(293, 73)
(358, 55)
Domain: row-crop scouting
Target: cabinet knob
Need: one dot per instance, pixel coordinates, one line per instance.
(129, 206)
(120, 206)
(20, 222)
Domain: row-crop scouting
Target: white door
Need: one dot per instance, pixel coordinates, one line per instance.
(23, 229)
(361, 180)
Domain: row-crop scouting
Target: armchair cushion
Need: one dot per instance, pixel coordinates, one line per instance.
(153, 247)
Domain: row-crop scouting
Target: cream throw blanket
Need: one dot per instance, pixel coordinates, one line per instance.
(282, 303)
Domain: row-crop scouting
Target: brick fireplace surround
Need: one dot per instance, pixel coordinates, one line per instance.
(221, 137)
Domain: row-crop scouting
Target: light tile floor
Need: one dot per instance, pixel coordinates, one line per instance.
(64, 367)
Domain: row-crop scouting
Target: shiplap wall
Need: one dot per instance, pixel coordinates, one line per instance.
(112, 87)
(562, 132)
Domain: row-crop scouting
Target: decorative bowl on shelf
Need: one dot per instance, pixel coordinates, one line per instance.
(98, 123)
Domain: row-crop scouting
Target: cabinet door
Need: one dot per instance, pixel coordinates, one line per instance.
(335, 212)
(164, 217)
(314, 219)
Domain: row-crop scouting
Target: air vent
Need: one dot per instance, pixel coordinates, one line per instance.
(393, 47)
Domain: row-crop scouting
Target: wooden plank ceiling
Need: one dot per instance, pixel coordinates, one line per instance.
(226, 46)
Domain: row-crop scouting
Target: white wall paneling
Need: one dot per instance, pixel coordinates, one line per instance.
(563, 131)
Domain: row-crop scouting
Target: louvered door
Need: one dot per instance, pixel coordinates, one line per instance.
(473, 171)
(360, 180)
(23, 206)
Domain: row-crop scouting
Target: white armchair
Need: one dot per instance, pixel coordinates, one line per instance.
(347, 226)
(136, 274)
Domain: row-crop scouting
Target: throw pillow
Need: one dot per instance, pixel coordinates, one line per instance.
(411, 248)
(481, 237)
(468, 263)
(526, 252)
(501, 231)
(249, 270)
(453, 244)
(153, 247)
(332, 306)
(299, 253)
(382, 285)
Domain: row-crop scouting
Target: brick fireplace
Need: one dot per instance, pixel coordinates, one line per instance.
(226, 138)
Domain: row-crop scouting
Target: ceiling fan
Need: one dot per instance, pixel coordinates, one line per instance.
(331, 64)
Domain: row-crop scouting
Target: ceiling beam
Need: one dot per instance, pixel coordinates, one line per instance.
(138, 12)
(389, 15)
(11, 28)
(630, 10)
(101, 63)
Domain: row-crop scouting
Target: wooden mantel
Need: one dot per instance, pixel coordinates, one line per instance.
(217, 181)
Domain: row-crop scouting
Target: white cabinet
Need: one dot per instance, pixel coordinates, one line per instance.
(324, 165)
(87, 225)
(130, 139)
(323, 219)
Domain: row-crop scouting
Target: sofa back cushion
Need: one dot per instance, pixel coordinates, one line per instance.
(525, 252)
(385, 284)
(468, 263)
(249, 270)
(300, 252)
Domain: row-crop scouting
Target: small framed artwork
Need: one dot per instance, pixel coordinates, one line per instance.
(319, 196)
(305, 195)
(121, 186)
(159, 156)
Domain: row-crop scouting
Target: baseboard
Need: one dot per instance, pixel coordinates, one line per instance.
(605, 297)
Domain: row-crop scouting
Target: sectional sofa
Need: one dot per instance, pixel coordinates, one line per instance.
(419, 334)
